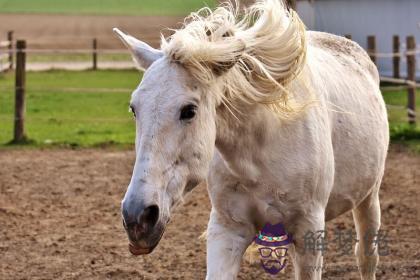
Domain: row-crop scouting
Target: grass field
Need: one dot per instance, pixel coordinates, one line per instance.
(60, 112)
(74, 117)
(104, 7)
(397, 115)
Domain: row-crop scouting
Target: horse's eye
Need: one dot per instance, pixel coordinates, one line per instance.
(188, 112)
(133, 111)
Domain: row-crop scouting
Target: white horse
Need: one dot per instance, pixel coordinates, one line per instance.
(287, 126)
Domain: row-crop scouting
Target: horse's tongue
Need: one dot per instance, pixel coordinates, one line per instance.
(136, 251)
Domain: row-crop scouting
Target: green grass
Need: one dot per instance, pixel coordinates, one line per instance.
(90, 108)
(86, 117)
(104, 7)
(400, 130)
(397, 101)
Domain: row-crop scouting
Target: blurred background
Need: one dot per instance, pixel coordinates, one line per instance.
(75, 97)
(66, 137)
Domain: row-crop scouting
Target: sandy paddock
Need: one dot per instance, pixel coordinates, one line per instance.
(60, 219)
(77, 31)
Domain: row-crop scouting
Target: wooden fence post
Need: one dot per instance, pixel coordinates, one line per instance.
(411, 76)
(95, 54)
(10, 39)
(371, 46)
(19, 129)
(348, 36)
(396, 58)
(292, 4)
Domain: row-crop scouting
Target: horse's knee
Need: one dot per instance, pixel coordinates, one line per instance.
(308, 264)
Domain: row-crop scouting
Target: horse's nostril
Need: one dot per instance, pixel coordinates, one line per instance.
(150, 216)
(139, 221)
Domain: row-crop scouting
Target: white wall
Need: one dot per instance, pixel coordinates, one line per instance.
(360, 18)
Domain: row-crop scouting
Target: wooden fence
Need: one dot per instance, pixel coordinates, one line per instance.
(20, 89)
(6, 53)
(410, 82)
(20, 51)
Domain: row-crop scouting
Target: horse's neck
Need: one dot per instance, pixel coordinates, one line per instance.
(241, 138)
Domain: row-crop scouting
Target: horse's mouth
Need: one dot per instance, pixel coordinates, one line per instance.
(137, 250)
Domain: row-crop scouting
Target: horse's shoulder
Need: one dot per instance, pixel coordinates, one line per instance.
(346, 51)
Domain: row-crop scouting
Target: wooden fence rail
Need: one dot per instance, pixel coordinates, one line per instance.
(4, 44)
(74, 51)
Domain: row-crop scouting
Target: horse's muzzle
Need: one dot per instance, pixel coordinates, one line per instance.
(142, 226)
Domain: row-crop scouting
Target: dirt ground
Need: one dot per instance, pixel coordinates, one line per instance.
(60, 219)
(77, 31)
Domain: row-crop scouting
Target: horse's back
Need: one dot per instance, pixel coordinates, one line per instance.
(346, 51)
(349, 84)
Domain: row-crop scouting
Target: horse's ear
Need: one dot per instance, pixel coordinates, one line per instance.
(143, 54)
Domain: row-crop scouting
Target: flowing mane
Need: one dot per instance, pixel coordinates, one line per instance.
(258, 51)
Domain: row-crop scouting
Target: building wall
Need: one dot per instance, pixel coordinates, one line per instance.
(360, 18)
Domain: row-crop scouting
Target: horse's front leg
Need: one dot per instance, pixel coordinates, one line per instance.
(309, 244)
(226, 244)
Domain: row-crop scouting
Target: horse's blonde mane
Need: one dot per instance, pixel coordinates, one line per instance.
(255, 53)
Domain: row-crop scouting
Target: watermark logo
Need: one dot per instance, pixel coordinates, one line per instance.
(273, 244)
(344, 240)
